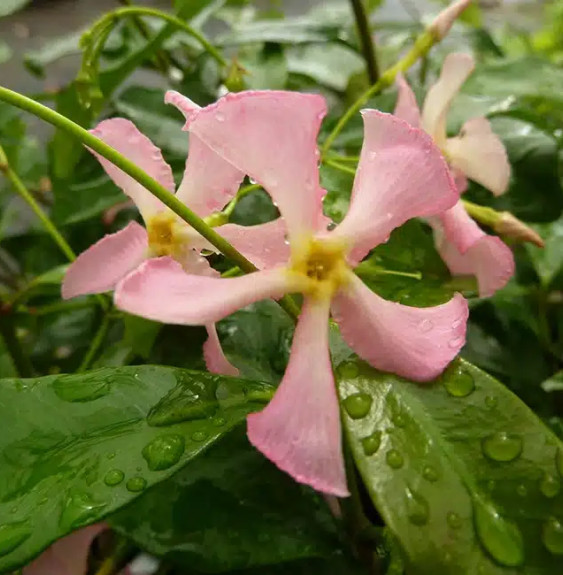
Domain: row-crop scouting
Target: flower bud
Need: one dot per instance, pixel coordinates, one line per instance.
(510, 226)
(445, 19)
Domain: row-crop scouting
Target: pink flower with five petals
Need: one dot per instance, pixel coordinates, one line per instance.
(209, 182)
(476, 153)
(271, 136)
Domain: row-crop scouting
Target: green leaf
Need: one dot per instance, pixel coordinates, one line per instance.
(267, 69)
(78, 447)
(548, 261)
(51, 51)
(554, 383)
(230, 509)
(11, 6)
(463, 473)
(140, 334)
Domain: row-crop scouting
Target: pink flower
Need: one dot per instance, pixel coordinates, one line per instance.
(271, 136)
(68, 556)
(209, 182)
(476, 153)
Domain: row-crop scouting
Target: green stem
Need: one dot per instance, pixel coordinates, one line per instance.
(229, 209)
(366, 40)
(60, 306)
(484, 215)
(337, 166)
(261, 396)
(135, 11)
(154, 187)
(11, 342)
(421, 47)
(96, 344)
(20, 188)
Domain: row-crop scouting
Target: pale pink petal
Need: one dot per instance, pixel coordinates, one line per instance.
(459, 227)
(480, 154)
(264, 245)
(68, 556)
(102, 265)
(299, 430)
(455, 70)
(416, 343)
(401, 175)
(460, 181)
(194, 263)
(123, 136)
(406, 107)
(271, 136)
(489, 259)
(160, 290)
(215, 359)
(445, 19)
(185, 105)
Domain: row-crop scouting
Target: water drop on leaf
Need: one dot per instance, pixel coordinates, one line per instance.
(371, 443)
(458, 381)
(552, 536)
(499, 536)
(80, 509)
(114, 477)
(550, 485)
(522, 490)
(348, 370)
(453, 520)
(86, 387)
(491, 401)
(430, 474)
(136, 484)
(394, 459)
(418, 510)
(502, 446)
(12, 535)
(199, 436)
(164, 451)
(358, 405)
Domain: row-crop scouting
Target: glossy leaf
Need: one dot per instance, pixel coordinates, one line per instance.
(230, 509)
(11, 6)
(463, 473)
(78, 447)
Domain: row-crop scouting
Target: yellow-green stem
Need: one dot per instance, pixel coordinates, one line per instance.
(483, 214)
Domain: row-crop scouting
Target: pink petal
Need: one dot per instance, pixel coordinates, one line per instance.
(68, 556)
(264, 245)
(455, 70)
(123, 136)
(215, 359)
(401, 175)
(489, 259)
(271, 136)
(445, 19)
(185, 105)
(468, 250)
(480, 154)
(103, 264)
(406, 107)
(193, 262)
(299, 430)
(160, 290)
(416, 343)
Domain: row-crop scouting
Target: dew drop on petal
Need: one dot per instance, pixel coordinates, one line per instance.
(502, 446)
(220, 117)
(426, 325)
(456, 342)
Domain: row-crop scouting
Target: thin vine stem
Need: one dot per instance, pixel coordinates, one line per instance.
(96, 344)
(366, 40)
(421, 47)
(135, 11)
(154, 187)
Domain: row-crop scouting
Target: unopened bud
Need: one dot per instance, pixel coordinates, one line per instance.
(510, 226)
(445, 19)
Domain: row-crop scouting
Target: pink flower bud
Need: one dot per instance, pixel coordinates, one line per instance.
(445, 19)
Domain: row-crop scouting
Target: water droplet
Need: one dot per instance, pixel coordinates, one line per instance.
(87, 387)
(430, 474)
(502, 446)
(552, 536)
(80, 509)
(399, 420)
(394, 459)
(13, 510)
(358, 405)
(371, 443)
(426, 325)
(372, 155)
(550, 485)
(522, 490)
(500, 537)
(491, 401)
(219, 421)
(114, 477)
(457, 323)
(456, 342)
(12, 535)
(458, 381)
(418, 510)
(164, 451)
(136, 484)
(199, 436)
(348, 370)
(220, 117)
(454, 520)
(111, 455)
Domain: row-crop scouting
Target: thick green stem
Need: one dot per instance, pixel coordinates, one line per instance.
(154, 187)
(483, 214)
(12, 344)
(20, 188)
(136, 11)
(366, 40)
(421, 47)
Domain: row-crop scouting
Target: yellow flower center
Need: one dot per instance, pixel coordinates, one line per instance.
(321, 266)
(167, 237)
